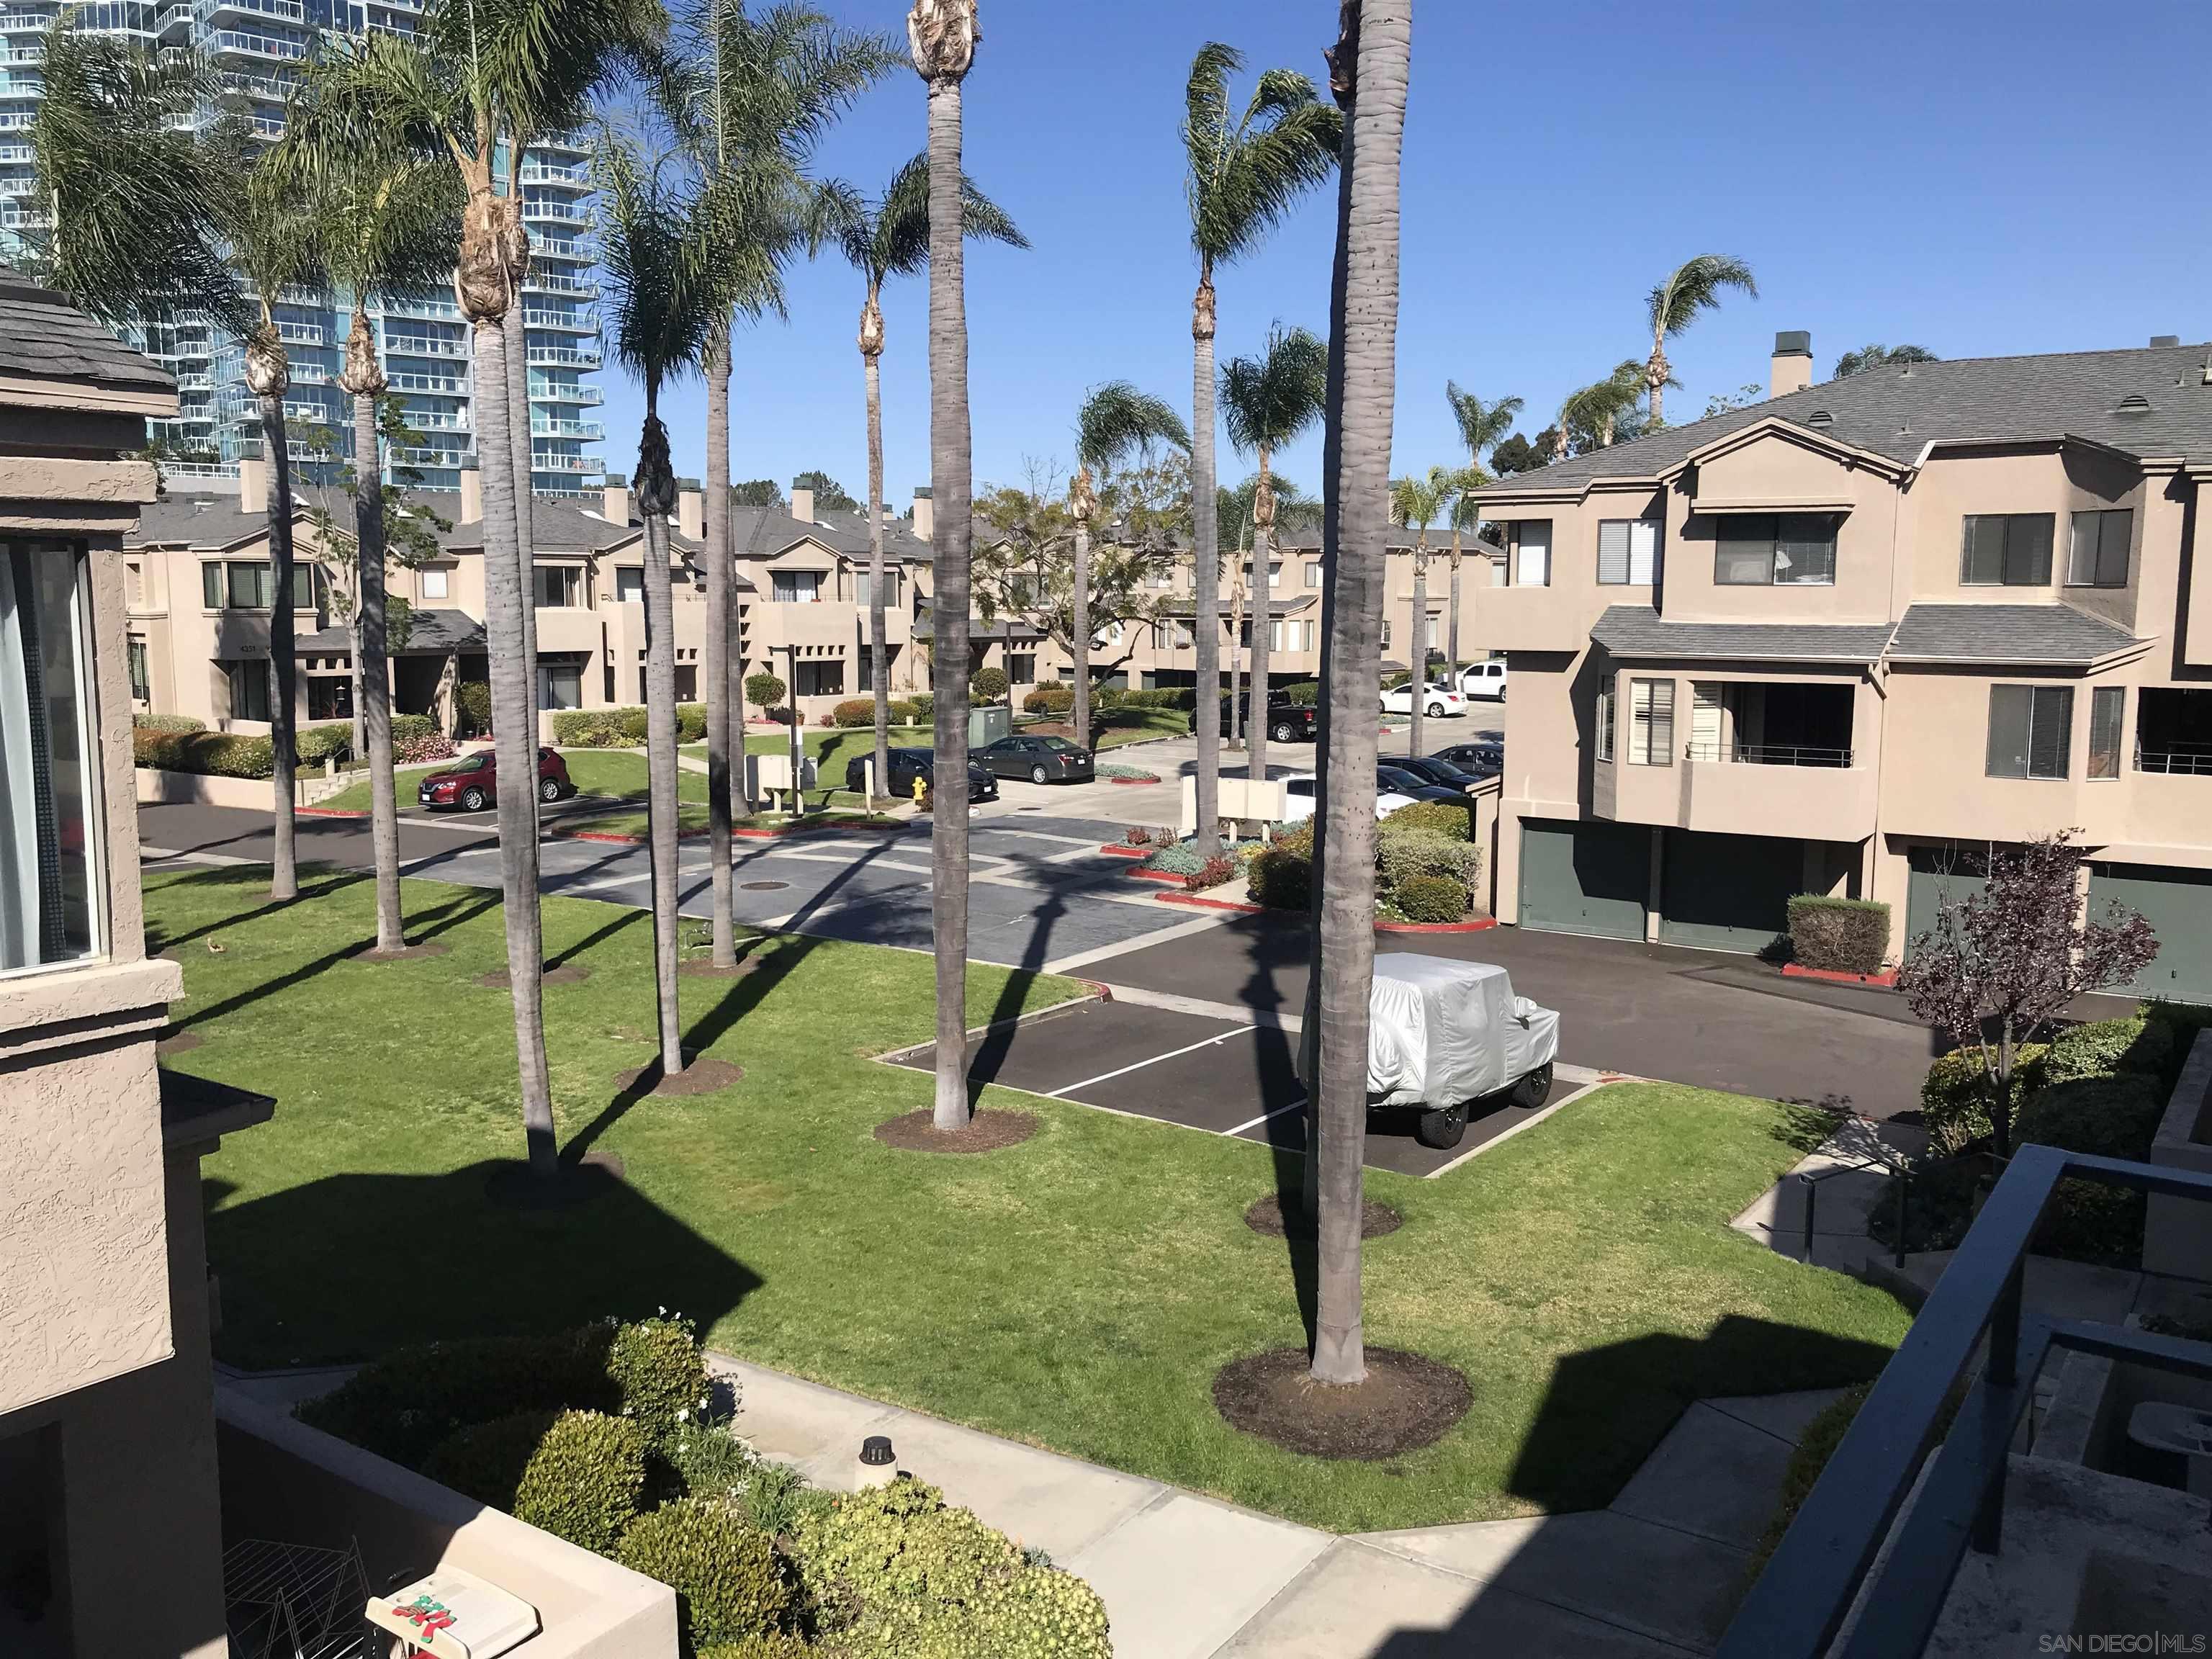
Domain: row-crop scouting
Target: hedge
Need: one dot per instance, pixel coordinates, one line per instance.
(2105, 1116)
(987, 684)
(1417, 853)
(729, 1581)
(905, 711)
(855, 711)
(1049, 700)
(1303, 691)
(1281, 878)
(579, 1475)
(1431, 898)
(1440, 818)
(316, 744)
(207, 754)
(1839, 935)
(1954, 1099)
(167, 723)
(623, 728)
(660, 1372)
(2108, 1047)
(407, 727)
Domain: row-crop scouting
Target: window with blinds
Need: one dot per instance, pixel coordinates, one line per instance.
(2108, 706)
(1627, 553)
(1652, 723)
(1775, 549)
(2005, 550)
(2031, 731)
(1532, 552)
(1604, 717)
(2099, 556)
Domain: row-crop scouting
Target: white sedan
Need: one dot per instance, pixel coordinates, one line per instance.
(1298, 798)
(1435, 699)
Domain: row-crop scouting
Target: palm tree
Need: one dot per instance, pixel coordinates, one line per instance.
(664, 298)
(1482, 428)
(1268, 401)
(1369, 73)
(942, 35)
(1879, 357)
(1245, 175)
(1414, 505)
(1116, 423)
(890, 237)
(1690, 287)
(1601, 410)
(1466, 514)
(383, 214)
(750, 97)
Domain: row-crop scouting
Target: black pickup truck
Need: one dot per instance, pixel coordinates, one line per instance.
(1287, 721)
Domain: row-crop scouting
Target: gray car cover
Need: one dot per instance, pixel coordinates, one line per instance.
(1442, 1031)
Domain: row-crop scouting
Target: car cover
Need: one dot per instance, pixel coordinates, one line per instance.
(1442, 1031)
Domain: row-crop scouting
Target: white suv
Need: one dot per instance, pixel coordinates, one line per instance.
(1485, 679)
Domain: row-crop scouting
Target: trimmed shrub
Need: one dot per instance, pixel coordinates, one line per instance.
(763, 690)
(1408, 857)
(2106, 1116)
(690, 722)
(710, 1461)
(1176, 859)
(207, 754)
(1431, 898)
(775, 1645)
(1281, 878)
(1214, 871)
(1107, 697)
(729, 1582)
(1954, 1101)
(634, 724)
(1303, 691)
(2108, 1047)
(1049, 700)
(854, 712)
(587, 728)
(316, 744)
(407, 727)
(422, 750)
(579, 1475)
(1839, 935)
(1111, 769)
(925, 706)
(472, 705)
(1437, 817)
(905, 711)
(987, 684)
(658, 1369)
(167, 723)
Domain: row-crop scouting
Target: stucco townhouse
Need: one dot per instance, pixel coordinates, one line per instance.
(1846, 640)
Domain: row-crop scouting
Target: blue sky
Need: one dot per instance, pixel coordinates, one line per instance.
(1976, 178)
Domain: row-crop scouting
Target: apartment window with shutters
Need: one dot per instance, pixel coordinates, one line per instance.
(1627, 553)
(2108, 706)
(1530, 544)
(1775, 549)
(2099, 557)
(796, 587)
(2031, 731)
(2005, 550)
(50, 832)
(1652, 723)
(1605, 717)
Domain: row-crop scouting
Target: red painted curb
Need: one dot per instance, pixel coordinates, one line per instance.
(1122, 850)
(1886, 981)
(1206, 903)
(1482, 925)
(323, 813)
(1157, 875)
(1103, 993)
(812, 829)
(1134, 780)
(620, 840)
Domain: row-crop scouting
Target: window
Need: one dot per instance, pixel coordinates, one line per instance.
(1432, 640)
(134, 584)
(1531, 543)
(211, 588)
(1274, 636)
(1021, 667)
(1313, 573)
(1627, 553)
(2108, 706)
(237, 586)
(2100, 555)
(142, 683)
(2008, 549)
(630, 584)
(1775, 549)
(2031, 729)
(49, 836)
(822, 679)
(796, 587)
(1386, 633)
(687, 681)
(437, 584)
(1313, 634)
(1652, 723)
(559, 586)
(560, 684)
(1605, 717)
(249, 689)
(330, 697)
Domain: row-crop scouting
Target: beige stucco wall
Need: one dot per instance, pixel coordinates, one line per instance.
(1778, 474)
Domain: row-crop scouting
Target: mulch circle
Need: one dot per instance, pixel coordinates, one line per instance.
(428, 947)
(1406, 1402)
(178, 1042)
(917, 1132)
(569, 973)
(513, 1185)
(1265, 1215)
(702, 1075)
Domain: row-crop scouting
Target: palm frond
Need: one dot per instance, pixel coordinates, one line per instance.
(900, 246)
(1695, 286)
(1117, 422)
(662, 299)
(745, 83)
(1244, 175)
(1268, 400)
(1416, 501)
(1482, 427)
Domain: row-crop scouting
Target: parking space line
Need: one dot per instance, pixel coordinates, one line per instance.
(1137, 997)
(1107, 1077)
(1266, 1117)
(1159, 936)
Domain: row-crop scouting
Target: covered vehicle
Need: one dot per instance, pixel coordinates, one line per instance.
(1442, 1034)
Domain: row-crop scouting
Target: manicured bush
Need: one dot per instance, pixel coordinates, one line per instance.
(729, 1582)
(206, 754)
(316, 744)
(1112, 770)
(1415, 853)
(775, 1645)
(905, 711)
(660, 1372)
(406, 727)
(1439, 817)
(167, 723)
(1049, 700)
(854, 712)
(1176, 859)
(1839, 935)
(579, 1475)
(1954, 1099)
(690, 722)
(1281, 878)
(763, 690)
(423, 749)
(472, 706)
(925, 706)
(592, 729)
(2106, 1047)
(634, 724)
(1214, 871)
(1303, 691)
(987, 684)
(710, 1461)
(2107, 1116)
(1107, 697)
(1431, 898)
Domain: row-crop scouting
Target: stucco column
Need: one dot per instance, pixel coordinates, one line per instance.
(1653, 905)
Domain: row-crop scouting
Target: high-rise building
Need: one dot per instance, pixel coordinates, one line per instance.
(425, 344)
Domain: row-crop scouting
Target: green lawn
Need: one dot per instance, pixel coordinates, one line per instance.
(1150, 723)
(616, 774)
(1077, 1292)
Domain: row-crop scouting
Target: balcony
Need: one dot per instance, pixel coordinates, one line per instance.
(422, 305)
(562, 212)
(544, 281)
(425, 345)
(300, 333)
(541, 461)
(439, 385)
(588, 431)
(549, 393)
(540, 173)
(572, 322)
(558, 248)
(1526, 618)
(546, 356)
(274, 47)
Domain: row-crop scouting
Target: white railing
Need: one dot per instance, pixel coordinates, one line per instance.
(551, 248)
(538, 172)
(567, 212)
(24, 55)
(258, 46)
(300, 333)
(310, 374)
(446, 458)
(574, 322)
(564, 357)
(201, 469)
(430, 307)
(590, 431)
(19, 187)
(540, 462)
(443, 384)
(566, 394)
(456, 419)
(425, 345)
(549, 282)
(290, 11)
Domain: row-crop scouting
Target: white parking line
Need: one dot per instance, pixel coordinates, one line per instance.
(1188, 1048)
(1296, 1105)
(1068, 964)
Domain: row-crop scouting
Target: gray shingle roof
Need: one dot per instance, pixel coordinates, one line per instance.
(430, 632)
(42, 336)
(1637, 630)
(2005, 634)
(1896, 413)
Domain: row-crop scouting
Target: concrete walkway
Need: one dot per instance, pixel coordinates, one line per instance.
(1186, 1576)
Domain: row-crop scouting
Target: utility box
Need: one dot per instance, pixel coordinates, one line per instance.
(988, 723)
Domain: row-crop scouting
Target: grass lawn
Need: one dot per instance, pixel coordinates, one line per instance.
(615, 774)
(1077, 1292)
(1150, 723)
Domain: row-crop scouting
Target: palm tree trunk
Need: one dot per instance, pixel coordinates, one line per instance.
(656, 495)
(1206, 568)
(373, 669)
(879, 678)
(1451, 623)
(516, 383)
(1655, 376)
(1263, 622)
(720, 623)
(283, 663)
(1374, 135)
(1419, 644)
(1079, 632)
(515, 742)
(1236, 639)
(951, 461)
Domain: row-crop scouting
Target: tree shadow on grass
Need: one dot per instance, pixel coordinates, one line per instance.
(319, 885)
(985, 1059)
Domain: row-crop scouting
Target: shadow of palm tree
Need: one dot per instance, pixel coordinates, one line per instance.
(319, 883)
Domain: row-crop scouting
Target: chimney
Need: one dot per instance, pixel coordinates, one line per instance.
(471, 496)
(925, 515)
(2166, 339)
(690, 509)
(1793, 363)
(614, 499)
(252, 484)
(802, 504)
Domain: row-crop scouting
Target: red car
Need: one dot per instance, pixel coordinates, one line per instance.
(471, 782)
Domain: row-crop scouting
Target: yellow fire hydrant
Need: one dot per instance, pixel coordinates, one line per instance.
(920, 790)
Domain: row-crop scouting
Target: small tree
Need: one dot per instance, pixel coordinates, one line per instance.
(2000, 965)
(757, 492)
(764, 690)
(988, 685)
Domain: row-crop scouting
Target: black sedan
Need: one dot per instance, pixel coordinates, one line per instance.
(1388, 776)
(1484, 760)
(1287, 721)
(1040, 760)
(1435, 770)
(908, 764)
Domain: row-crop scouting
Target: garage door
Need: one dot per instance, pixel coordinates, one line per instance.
(2177, 904)
(1728, 892)
(1939, 875)
(1584, 878)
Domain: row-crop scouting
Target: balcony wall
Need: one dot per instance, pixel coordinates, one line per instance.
(1553, 618)
(562, 628)
(1834, 803)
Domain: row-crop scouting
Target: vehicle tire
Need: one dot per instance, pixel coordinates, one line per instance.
(473, 799)
(1441, 1129)
(1534, 1090)
(1038, 774)
(549, 790)
(1435, 711)
(1284, 732)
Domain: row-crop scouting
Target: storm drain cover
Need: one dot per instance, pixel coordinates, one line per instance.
(763, 886)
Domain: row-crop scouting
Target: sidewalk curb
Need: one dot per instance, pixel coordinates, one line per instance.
(1481, 926)
(1882, 982)
(1193, 899)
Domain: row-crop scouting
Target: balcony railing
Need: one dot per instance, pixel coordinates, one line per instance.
(566, 394)
(574, 322)
(425, 345)
(2194, 763)
(446, 384)
(1767, 754)
(563, 356)
(1825, 1563)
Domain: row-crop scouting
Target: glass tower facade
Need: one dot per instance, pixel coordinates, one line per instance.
(257, 46)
